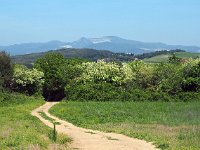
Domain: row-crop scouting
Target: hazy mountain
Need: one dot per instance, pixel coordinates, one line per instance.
(112, 43)
(117, 44)
(27, 48)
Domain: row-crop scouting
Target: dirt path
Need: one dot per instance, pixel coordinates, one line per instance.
(85, 139)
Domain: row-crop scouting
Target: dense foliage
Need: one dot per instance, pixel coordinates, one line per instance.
(137, 81)
(78, 79)
(26, 80)
(191, 76)
(105, 72)
(6, 69)
(54, 83)
(58, 72)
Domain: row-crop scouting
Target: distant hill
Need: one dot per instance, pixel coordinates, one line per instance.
(117, 44)
(28, 48)
(111, 43)
(94, 55)
(187, 55)
(165, 57)
(157, 59)
(89, 54)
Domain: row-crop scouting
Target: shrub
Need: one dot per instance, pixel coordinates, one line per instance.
(92, 91)
(101, 71)
(26, 80)
(142, 74)
(58, 73)
(6, 69)
(174, 59)
(8, 98)
(167, 78)
(160, 96)
(187, 96)
(136, 81)
(191, 76)
(107, 92)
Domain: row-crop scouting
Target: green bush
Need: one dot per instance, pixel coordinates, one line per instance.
(160, 96)
(142, 74)
(107, 92)
(187, 96)
(101, 71)
(58, 72)
(191, 76)
(91, 91)
(6, 70)
(102, 81)
(11, 98)
(167, 78)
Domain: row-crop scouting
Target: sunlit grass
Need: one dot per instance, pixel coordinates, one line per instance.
(173, 125)
(20, 130)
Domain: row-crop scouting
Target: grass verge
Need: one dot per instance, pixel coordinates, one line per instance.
(20, 130)
(48, 118)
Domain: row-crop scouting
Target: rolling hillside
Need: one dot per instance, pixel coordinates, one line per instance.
(165, 57)
(187, 55)
(94, 55)
(89, 54)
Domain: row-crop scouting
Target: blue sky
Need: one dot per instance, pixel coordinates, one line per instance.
(168, 21)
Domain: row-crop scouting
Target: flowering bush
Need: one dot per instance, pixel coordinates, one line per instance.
(27, 80)
(105, 72)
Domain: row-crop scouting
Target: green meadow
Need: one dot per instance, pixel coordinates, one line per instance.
(165, 57)
(20, 130)
(169, 125)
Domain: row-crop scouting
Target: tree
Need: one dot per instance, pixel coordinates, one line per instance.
(51, 65)
(174, 59)
(167, 77)
(6, 69)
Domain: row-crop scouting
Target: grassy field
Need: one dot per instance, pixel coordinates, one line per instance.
(187, 55)
(20, 130)
(168, 125)
(165, 58)
(157, 59)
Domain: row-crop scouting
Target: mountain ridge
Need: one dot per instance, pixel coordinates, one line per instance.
(111, 43)
(89, 54)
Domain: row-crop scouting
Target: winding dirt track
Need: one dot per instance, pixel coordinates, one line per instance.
(85, 139)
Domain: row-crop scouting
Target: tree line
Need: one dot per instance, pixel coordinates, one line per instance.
(56, 77)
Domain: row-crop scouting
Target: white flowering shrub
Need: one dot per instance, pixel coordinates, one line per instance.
(28, 80)
(105, 72)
